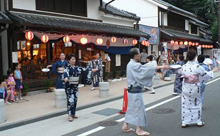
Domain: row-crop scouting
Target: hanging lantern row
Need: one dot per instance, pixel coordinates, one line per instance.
(207, 46)
(172, 42)
(44, 38)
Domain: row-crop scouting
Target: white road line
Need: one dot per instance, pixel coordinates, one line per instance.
(91, 131)
(213, 81)
(147, 109)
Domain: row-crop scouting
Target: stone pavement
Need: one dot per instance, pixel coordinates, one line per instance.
(43, 104)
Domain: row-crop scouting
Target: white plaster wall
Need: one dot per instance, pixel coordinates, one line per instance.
(143, 8)
(186, 24)
(24, 4)
(93, 9)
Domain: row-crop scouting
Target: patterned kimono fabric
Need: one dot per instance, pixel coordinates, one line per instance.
(55, 70)
(97, 76)
(71, 87)
(138, 76)
(191, 92)
(178, 80)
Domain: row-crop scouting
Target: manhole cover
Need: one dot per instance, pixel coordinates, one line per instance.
(107, 123)
(163, 111)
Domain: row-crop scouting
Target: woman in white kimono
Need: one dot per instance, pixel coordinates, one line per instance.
(138, 76)
(191, 96)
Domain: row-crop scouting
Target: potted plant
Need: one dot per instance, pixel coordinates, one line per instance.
(25, 90)
(116, 76)
(48, 85)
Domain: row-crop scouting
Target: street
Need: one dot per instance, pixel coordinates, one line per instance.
(163, 117)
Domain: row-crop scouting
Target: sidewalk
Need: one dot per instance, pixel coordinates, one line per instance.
(44, 104)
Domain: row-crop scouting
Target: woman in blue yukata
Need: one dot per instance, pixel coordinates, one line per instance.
(98, 71)
(58, 68)
(71, 78)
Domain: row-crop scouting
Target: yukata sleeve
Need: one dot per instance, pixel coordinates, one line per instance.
(143, 74)
(203, 73)
(54, 67)
(66, 73)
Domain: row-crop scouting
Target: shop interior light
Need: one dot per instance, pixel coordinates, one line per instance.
(29, 35)
(28, 43)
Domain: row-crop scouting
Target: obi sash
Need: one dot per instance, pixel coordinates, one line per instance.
(132, 89)
(60, 70)
(191, 79)
(73, 80)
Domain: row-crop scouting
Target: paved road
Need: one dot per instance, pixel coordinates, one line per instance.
(167, 124)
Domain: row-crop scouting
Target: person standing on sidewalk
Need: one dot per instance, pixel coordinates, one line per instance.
(97, 72)
(58, 68)
(178, 79)
(71, 78)
(191, 91)
(18, 80)
(202, 81)
(143, 57)
(138, 76)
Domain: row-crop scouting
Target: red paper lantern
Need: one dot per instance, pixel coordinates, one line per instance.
(99, 41)
(181, 43)
(29, 35)
(66, 39)
(206, 46)
(125, 41)
(134, 41)
(211, 46)
(144, 42)
(197, 44)
(172, 42)
(148, 43)
(44, 38)
(113, 39)
(190, 43)
(83, 40)
(193, 44)
(176, 43)
(185, 43)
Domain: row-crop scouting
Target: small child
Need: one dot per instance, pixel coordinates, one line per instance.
(18, 80)
(11, 84)
(4, 90)
(202, 81)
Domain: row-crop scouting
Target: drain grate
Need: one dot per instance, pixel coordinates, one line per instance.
(107, 123)
(163, 111)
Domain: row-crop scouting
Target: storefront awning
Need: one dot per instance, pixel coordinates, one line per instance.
(174, 34)
(4, 19)
(71, 24)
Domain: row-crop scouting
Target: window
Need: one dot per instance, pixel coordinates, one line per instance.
(36, 46)
(193, 29)
(176, 21)
(75, 7)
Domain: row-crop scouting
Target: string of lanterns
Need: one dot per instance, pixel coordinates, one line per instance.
(44, 38)
(172, 42)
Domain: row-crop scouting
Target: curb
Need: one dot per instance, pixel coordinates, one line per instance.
(55, 114)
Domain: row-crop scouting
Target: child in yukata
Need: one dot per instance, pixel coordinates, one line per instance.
(11, 84)
(203, 81)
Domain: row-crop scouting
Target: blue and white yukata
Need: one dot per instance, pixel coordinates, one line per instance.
(58, 68)
(138, 76)
(191, 92)
(178, 79)
(71, 87)
(98, 75)
(203, 81)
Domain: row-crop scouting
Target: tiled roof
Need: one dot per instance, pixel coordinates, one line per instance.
(77, 25)
(185, 13)
(4, 19)
(118, 12)
(183, 35)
